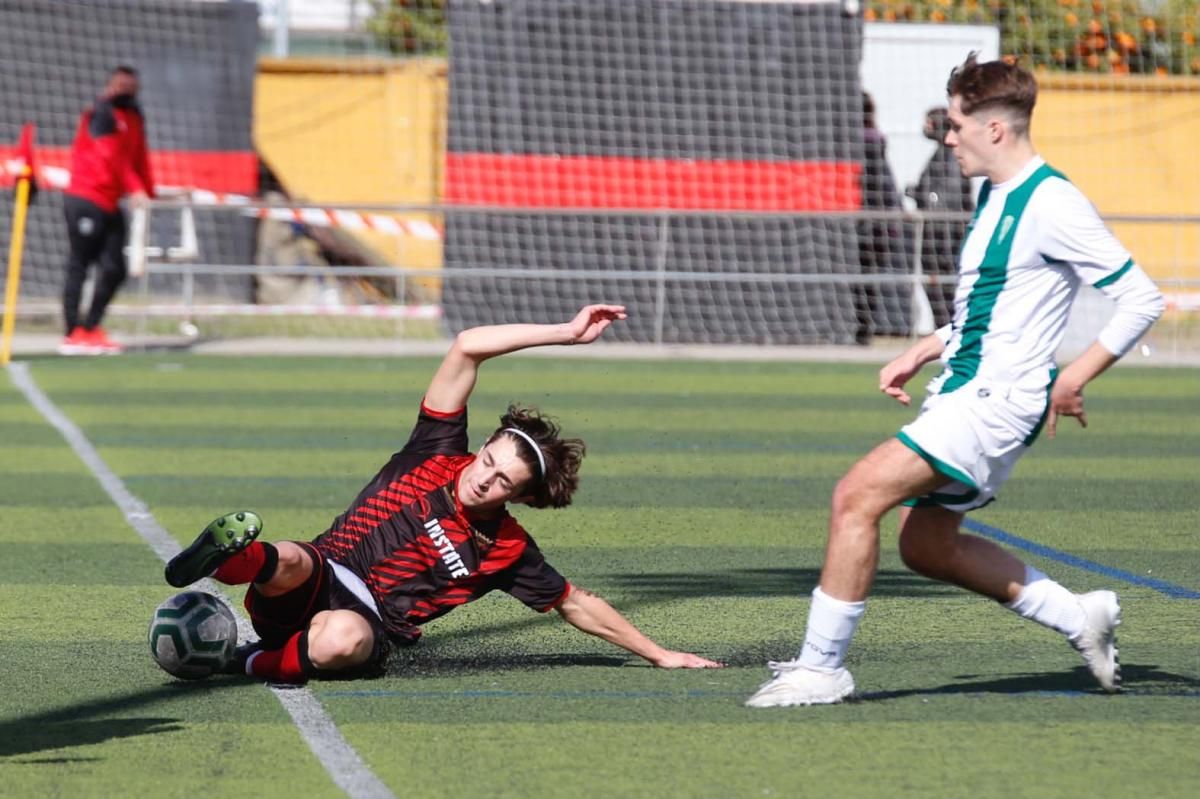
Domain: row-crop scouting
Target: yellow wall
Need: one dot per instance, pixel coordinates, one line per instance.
(1133, 146)
(345, 131)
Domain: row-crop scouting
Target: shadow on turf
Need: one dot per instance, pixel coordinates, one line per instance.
(641, 590)
(415, 662)
(79, 725)
(762, 583)
(1136, 679)
(433, 657)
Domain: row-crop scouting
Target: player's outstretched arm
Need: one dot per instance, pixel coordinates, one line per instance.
(591, 614)
(455, 378)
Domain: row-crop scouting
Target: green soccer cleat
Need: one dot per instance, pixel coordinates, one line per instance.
(224, 537)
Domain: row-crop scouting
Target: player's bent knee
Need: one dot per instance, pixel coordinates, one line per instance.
(852, 500)
(339, 639)
(844, 494)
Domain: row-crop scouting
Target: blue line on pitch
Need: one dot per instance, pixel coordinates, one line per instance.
(379, 693)
(505, 694)
(996, 534)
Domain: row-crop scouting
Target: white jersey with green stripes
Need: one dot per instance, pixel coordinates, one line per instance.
(1034, 239)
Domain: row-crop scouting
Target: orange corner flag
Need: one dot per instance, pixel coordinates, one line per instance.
(25, 154)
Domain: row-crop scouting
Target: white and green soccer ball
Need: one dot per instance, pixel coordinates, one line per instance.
(193, 635)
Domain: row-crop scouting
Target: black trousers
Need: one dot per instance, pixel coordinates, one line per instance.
(96, 237)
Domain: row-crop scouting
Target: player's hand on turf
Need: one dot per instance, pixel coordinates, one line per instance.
(685, 660)
(591, 321)
(1065, 400)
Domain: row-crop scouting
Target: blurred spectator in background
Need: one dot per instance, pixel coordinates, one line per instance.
(109, 160)
(880, 241)
(941, 187)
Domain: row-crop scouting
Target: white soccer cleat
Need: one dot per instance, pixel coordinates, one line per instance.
(1098, 641)
(794, 684)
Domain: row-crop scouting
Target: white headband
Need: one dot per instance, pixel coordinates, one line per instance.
(532, 443)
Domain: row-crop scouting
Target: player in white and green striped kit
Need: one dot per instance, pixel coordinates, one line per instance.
(1034, 241)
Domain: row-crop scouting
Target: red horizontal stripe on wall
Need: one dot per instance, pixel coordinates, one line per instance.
(229, 172)
(220, 171)
(643, 183)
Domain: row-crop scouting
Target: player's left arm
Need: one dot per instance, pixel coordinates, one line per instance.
(587, 612)
(454, 380)
(901, 369)
(1074, 233)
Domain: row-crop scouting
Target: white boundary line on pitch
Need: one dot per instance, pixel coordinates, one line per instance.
(343, 764)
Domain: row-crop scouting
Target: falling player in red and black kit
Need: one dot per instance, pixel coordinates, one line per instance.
(430, 532)
(109, 160)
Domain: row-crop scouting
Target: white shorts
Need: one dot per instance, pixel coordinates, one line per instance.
(974, 435)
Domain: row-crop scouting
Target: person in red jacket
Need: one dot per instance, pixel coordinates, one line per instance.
(109, 160)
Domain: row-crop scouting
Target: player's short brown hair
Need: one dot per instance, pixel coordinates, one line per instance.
(563, 456)
(997, 85)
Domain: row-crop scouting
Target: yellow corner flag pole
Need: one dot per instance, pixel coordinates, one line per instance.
(16, 245)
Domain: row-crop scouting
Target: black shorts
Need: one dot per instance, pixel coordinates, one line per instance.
(276, 619)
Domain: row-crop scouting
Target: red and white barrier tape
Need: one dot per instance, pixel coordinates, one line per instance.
(408, 312)
(54, 177)
(352, 220)
(1182, 300)
(48, 177)
(208, 310)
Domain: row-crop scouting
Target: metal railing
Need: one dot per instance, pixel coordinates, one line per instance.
(181, 259)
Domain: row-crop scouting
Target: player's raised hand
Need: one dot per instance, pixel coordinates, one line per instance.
(685, 660)
(1064, 401)
(592, 320)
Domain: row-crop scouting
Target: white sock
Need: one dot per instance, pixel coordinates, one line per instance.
(831, 625)
(1049, 604)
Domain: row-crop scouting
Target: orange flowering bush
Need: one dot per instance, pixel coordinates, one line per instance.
(1112, 36)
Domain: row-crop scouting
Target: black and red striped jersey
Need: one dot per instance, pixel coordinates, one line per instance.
(410, 540)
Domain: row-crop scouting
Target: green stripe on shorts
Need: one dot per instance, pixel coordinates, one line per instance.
(939, 466)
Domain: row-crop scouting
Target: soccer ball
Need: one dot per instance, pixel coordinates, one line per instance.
(192, 635)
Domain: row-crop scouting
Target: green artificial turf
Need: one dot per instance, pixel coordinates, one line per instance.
(701, 515)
